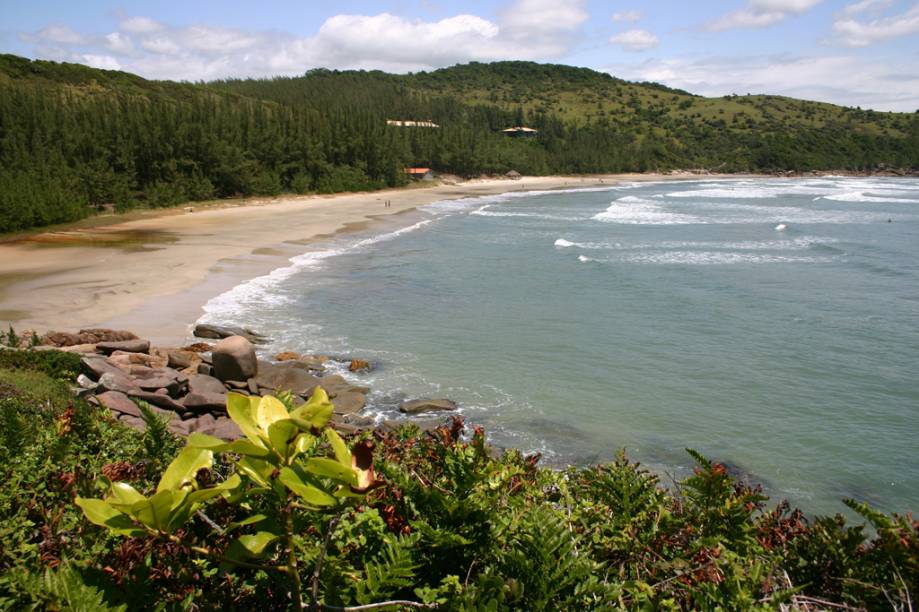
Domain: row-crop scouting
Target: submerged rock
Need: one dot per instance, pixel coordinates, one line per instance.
(359, 365)
(426, 405)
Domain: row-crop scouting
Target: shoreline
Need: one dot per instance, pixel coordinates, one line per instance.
(154, 274)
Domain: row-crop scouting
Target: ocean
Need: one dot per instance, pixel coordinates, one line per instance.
(772, 324)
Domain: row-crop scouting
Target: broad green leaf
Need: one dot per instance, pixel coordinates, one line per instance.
(279, 434)
(317, 411)
(256, 469)
(250, 545)
(270, 409)
(304, 442)
(200, 440)
(101, 513)
(342, 454)
(155, 512)
(320, 466)
(240, 447)
(183, 468)
(123, 496)
(192, 500)
(239, 407)
(251, 520)
(310, 494)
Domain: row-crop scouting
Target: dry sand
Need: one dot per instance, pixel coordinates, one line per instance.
(152, 275)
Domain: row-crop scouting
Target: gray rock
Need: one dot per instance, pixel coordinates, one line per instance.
(133, 421)
(180, 427)
(426, 405)
(234, 359)
(119, 403)
(96, 366)
(205, 402)
(219, 332)
(202, 383)
(86, 382)
(179, 359)
(128, 346)
(205, 369)
(156, 399)
(349, 403)
(204, 423)
(118, 381)
(225, 429)
(286, 376)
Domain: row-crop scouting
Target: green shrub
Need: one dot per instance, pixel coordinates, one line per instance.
(56, 364)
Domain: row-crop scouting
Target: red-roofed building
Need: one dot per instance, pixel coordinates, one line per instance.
(420, 174)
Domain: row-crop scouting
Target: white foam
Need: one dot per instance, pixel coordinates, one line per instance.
(585, 259)
(261, 291)
(861, 196)
(637, 211)
(706, 258)
(561, 242)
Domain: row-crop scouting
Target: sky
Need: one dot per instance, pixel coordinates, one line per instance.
(851, 52)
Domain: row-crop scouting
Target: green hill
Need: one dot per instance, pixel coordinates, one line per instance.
(74, 137)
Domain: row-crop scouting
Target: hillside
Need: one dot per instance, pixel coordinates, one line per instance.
(73, 137)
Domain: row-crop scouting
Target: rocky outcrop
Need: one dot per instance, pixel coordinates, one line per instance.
(219, 332)
(234, 359)
(86, 336)
(287, 356)
(287, 375)
(127, 346)
(426, 405)
(359, 365)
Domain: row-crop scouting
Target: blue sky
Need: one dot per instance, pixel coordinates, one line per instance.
(852, 52)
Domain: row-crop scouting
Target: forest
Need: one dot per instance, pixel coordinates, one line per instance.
(75, 140)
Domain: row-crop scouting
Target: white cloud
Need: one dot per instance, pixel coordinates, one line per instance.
(628, 16)
(856, 33)
(866, 5)
(761, 13)
(61, 35)
(525, 29)
(139, 25)
(635, 40)
(118, 43)
(841, 79)
(106, 62)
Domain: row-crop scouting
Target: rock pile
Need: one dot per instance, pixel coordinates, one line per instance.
(189, 385)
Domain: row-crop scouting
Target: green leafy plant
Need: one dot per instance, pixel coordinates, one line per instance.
(279, 467)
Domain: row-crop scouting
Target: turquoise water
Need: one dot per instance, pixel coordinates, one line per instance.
(648, 316)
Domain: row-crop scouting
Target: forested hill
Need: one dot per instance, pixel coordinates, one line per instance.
(73, 137)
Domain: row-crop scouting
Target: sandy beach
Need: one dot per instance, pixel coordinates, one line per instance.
(152, 275)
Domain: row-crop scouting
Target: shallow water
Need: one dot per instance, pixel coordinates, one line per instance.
(649, 316)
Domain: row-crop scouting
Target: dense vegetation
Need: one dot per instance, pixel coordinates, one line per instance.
(73, 137)
(449, 525)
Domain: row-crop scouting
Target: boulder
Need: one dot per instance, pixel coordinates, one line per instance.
(205, 369)
(204, 423)
(180, 427)
(119, 403)
(359, 365)
(181, 359)
(125, 360)
(349, 403)
(87, 349)
(219, 332)
(56, 338)
(201, 383)
(226, 429)
(128, 346)
(234, 359)
(85, 382)
(286, 376)
(314, 362)
(96, 335)
(198, 347)
(118, 381)
(95, 366)
(205, 402)
(426, 405)
(287, 356)
(157, 399)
